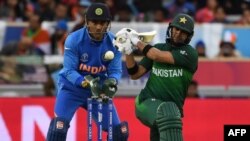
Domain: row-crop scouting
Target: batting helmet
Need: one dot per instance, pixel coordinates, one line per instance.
(183, 22)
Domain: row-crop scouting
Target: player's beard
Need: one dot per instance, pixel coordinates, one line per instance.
(98, 35)
(177, 41)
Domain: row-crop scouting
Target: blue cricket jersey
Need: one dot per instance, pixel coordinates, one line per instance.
(83, 56)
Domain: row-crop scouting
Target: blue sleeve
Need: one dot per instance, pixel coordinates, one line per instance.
(114, 69)
(71, 62)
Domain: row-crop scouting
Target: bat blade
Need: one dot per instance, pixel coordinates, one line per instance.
(147, 36)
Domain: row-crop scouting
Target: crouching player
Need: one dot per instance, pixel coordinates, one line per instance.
(85, 54)
(172, 65)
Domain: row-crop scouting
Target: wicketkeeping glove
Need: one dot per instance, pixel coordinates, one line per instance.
(94, 85)
(110, 87)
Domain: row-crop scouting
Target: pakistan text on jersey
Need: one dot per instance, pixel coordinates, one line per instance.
(167, 73)
(92, 69)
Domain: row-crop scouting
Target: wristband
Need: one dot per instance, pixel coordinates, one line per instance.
(133, 70)
(146, 49)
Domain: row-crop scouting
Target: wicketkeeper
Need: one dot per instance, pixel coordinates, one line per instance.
(88, 52)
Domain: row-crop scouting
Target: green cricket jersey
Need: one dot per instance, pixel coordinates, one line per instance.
(168, 82)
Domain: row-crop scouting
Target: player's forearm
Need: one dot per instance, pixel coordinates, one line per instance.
(72, 76)
(131, 64)
(130, 61)
(156, 54)
(70, 67)
(160, 56)
(135, 71)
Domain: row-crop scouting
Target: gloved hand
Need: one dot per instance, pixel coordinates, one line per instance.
(122, 42)
(128, 50)
(110, 87)
(94, 85)
(133, 36)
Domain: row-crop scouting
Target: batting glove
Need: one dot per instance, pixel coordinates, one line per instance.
(133, 36)
(122, 42)
(121, 32)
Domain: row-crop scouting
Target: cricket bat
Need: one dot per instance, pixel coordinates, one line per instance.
(147, 36)
(143, 36)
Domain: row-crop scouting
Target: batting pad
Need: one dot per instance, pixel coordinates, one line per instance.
(169, 122)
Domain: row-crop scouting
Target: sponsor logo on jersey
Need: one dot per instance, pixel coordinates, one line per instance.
(183, 52)
(84, 57)
(167, 73)
(92, 69)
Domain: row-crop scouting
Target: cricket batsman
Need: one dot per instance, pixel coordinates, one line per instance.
(88, 52)
(171, 65)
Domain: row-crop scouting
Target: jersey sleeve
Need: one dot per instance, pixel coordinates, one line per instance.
(146, 63)
(71, 61)
(114, 69)
(186, 57)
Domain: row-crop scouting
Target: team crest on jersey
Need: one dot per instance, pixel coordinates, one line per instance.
(84, 57)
